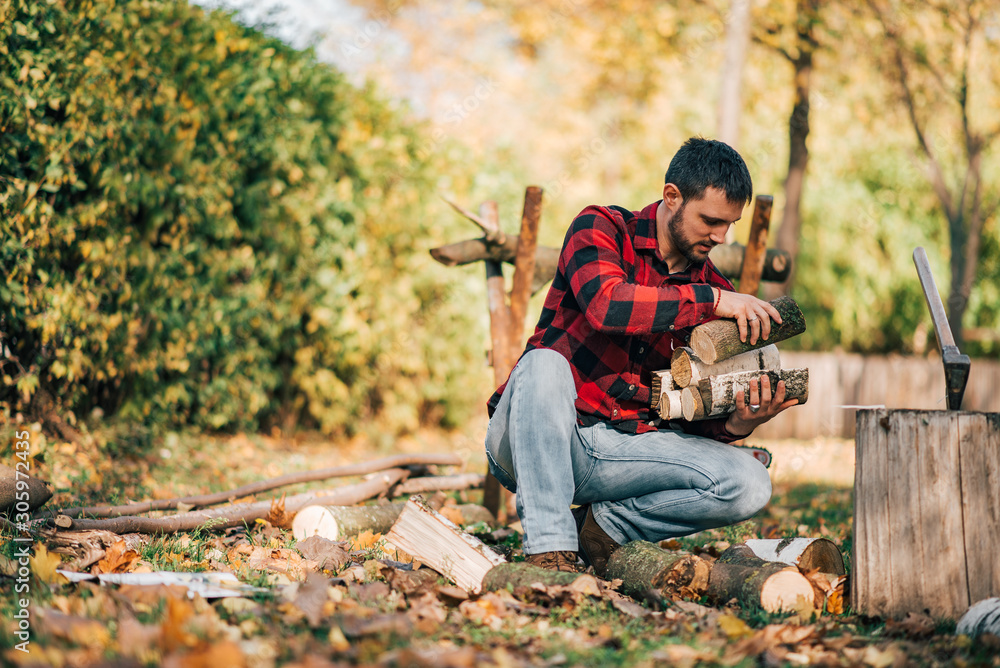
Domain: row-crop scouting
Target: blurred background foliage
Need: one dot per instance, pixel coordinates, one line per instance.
(202, 225)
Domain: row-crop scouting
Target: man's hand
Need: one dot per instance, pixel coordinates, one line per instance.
(747, 418)
(752, 315)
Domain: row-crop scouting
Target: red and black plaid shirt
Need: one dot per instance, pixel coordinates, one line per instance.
(617, 314)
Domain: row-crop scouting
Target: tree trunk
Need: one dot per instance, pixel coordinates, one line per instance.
(642, 567)
(775, 587)
(798, 156)
(31, 493)
(719, 340)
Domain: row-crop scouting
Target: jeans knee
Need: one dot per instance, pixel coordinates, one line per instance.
(752, 492)
(547, 373)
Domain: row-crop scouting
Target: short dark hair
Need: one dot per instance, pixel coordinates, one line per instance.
(701, 163)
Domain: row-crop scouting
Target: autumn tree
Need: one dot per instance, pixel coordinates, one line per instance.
(941, 59)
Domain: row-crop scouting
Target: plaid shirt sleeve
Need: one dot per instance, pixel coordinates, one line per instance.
(595, 260)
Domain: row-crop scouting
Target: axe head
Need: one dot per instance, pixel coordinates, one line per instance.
(956, 375)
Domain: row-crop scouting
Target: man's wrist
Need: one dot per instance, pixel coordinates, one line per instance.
(735, 431)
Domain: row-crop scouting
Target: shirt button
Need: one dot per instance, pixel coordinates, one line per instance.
(614, 413)
(631, 387)
(642, 349)
(671, 328)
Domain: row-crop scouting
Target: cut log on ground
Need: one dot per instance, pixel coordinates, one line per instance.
(686, 369)
(775, 587)
(191, 502)
(720, 339)
(807, 554)
(87, 547)
(432, 539)
(718, 393)
(236, 515)
(337, 522)
(643, 567)
(32, 493)
(525, 575)
(670, 406)
(983, 617)
(728, 258)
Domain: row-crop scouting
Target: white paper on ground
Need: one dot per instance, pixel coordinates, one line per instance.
(206, 585)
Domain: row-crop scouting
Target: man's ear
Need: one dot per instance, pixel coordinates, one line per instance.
(672, 197)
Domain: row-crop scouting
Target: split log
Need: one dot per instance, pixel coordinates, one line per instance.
(525, 575)
(236, 515)
(671, 406)
(432, 539)
(662, 381)
(728, 258)
(718, 393)
(775, 587)
(719, 340)
(191, 502)
(983, 617)
(17, 487)
(807, 554)
(643, 566)
(337, 522)
(686, 369)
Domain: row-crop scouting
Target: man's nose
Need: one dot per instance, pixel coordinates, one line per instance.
(718, 235)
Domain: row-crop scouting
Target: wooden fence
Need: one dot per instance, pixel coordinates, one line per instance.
(839, 379)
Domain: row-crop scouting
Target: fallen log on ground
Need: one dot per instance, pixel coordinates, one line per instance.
(228, 516)
(20, 491)
(982, 617)
(807, 554)
(443, 483)
(337, 522)
(434, 540)
(191, 502)
(687, 369)
(719, 339)
(643, 567)
(775, 587)
(522, 574)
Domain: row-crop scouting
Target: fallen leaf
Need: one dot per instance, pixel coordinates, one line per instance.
(277, 515)
(312, 597)
(915, 626)
(734, 627)
(173, 631)
(118, 559)
(79, 630)
(44, 565)
(365, 540)
(208, 655)
(327, 554)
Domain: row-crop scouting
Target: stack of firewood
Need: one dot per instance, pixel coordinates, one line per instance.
(704, 379)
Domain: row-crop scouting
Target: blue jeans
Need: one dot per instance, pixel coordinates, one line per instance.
(648, 486)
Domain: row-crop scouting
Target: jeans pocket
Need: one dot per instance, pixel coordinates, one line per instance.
(506, 479)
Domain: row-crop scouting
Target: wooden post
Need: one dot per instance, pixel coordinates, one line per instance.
(926, 512)
(756, 253)
(524, 264)
(503, 362)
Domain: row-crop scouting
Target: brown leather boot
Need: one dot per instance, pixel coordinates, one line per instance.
(596, 546)
(554, 561)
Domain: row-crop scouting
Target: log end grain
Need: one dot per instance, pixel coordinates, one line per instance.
(785, 591)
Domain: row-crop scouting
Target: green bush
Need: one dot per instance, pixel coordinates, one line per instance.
(202, 226)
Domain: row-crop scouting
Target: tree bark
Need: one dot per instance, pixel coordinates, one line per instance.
(719, 340)
(718, 393)
(775, 587)
(644, 567)
(982, 617)
(807, 554)
(670, 404)
(203, 500)
(525, 575)
(687, 369)
(225, 517)
(33, 492)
